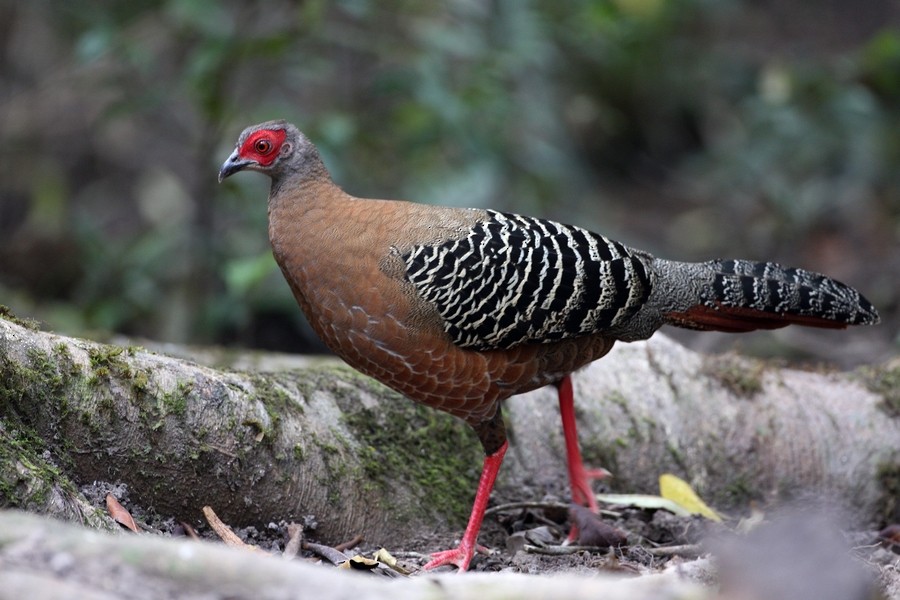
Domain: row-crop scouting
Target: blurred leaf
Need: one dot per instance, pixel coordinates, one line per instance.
(207, 17)
(93, 44)
(679, 491)
(49, 203)
(243, 274)
(645, 9)
(336, 128)
(645, 501)
(881, 61)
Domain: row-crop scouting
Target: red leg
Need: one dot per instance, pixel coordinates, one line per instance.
(462, 555)
(579, 477)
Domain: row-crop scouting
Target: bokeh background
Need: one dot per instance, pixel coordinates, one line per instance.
(763, 129)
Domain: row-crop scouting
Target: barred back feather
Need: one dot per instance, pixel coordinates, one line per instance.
(516, 279)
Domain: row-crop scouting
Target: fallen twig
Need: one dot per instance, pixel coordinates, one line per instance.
(224, 531)
(189, 531)
(687, 550)
(295, 540)
(562, 550)
(563, 506)
(351, 543)
(410, 555)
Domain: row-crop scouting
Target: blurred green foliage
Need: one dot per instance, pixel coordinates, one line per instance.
(687, 127)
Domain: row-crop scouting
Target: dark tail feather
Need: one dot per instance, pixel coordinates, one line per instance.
(744, 296)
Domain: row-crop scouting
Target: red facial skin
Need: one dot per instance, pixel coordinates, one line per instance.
(263, 146)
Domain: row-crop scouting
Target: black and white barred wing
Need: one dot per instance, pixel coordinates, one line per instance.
(514, 280)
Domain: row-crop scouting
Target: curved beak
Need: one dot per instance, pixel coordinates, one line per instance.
(232, 165)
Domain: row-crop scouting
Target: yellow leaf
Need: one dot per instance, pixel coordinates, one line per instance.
(679, 491)
(385, 557)
(382, 555)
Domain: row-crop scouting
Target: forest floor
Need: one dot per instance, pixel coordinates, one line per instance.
(766, 552)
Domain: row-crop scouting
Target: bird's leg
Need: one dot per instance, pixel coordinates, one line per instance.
(462, 555)
(579, 477)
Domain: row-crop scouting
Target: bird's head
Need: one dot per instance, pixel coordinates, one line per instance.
(275, 148)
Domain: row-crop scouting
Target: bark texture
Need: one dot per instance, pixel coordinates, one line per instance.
(737, 429)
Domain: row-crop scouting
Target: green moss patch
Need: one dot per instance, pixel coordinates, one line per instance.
(7, 314)
(885, 381)
(889, 480)
(438, 454)
(742, 377)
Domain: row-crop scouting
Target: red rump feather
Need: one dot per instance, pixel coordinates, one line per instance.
(736, 319)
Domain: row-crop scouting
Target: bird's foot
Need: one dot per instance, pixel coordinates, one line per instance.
(460, 556)
(582, 493)
(581, 478)
(597, 474)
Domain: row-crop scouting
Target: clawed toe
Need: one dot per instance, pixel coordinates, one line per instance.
(461, 557)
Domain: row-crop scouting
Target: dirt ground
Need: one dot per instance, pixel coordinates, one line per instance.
(787, 548)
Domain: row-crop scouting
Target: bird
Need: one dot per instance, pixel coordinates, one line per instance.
(462, 308)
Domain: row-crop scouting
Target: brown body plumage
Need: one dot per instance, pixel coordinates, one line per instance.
(460, 309)
(359, 303)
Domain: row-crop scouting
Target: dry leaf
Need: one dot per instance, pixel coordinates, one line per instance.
(645, 501)
(119, 514)
(516, 542)
(327, 552)
(362, 563)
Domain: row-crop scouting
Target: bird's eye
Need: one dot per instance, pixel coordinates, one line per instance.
(263, 146)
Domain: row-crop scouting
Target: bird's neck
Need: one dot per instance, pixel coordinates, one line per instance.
(300, 211)
(308, 174)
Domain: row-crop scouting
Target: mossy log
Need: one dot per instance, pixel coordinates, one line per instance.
(258, 447)
(325, 441)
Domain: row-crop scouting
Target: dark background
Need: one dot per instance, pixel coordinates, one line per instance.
(690, 128)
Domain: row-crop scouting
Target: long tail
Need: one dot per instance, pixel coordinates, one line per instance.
(740, 295)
